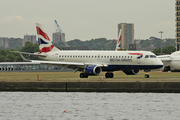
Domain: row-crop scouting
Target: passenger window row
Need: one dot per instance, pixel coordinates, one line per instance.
(88, 56)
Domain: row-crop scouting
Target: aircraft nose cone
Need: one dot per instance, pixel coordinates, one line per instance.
(160, 64)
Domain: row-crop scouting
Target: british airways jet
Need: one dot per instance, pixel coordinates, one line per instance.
(91, 63)
(118, 41)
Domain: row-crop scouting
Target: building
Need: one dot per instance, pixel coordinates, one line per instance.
(132, 46)
(137, 41)
(30, 38)
(4, 42)
(58, 37)
(127, 32)
(177, 8)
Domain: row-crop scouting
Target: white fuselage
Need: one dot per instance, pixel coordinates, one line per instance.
(174, 63)
(116, 60)
(173, 60)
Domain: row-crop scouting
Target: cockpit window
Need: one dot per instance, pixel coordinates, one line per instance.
(147, 56)
(152, 56)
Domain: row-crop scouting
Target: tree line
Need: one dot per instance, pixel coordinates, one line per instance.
(7, 56)
(93, 44)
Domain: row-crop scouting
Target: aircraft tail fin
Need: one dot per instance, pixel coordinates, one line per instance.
(45, 44)
(118, 45)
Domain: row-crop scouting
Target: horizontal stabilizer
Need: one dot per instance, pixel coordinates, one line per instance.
(33, 54)
(165, 58)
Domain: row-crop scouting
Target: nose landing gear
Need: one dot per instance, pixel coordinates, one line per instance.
(146, 75)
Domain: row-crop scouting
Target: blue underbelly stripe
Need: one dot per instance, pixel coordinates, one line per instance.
(124, 67)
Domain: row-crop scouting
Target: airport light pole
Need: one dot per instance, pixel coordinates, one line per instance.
(161, 41)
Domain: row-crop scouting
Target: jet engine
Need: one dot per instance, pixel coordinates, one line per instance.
(10, 69)
(131, 72)
(93, 70)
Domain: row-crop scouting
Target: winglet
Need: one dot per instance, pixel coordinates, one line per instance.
(24, 58)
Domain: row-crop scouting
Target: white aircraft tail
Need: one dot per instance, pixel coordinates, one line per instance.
(118, 41)
(45, 44)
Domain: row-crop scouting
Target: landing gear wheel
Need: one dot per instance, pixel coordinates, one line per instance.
(166, 69)
(146, 76)
(109, 75)
(86, 76)
(82, 75)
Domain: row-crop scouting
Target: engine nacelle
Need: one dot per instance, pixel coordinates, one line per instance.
(131, 72)
(8, 69)
(93, 70)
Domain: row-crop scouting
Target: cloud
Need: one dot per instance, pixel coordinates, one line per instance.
(8, 19)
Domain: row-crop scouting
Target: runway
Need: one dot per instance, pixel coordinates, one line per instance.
(70, 82)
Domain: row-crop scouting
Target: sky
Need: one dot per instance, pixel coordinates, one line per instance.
(87, 19)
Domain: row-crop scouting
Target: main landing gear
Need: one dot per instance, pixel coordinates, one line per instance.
(83, 75)
(109, 75)
(146, 75)
(166, 69)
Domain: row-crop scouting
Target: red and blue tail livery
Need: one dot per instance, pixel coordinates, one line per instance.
(44, 42)
(118, 45)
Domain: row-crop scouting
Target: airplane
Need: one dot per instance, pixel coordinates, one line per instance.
(171, 62)
(91, 63)
(118, 45)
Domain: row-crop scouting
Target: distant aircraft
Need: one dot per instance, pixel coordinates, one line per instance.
(93, 62)
(171, 62)
(118, 45)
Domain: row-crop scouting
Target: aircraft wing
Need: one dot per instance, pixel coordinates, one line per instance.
(165, 58)
(73, 65)
(56, 62)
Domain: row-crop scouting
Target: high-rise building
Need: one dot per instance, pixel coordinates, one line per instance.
(58, 37)
(30, 38)
(4, 42)
(127, 34)
(177, 24)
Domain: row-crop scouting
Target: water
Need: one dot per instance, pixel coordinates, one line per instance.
(88, 106)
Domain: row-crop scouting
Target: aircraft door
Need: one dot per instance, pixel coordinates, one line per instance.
(138, 59)
(56, 57)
